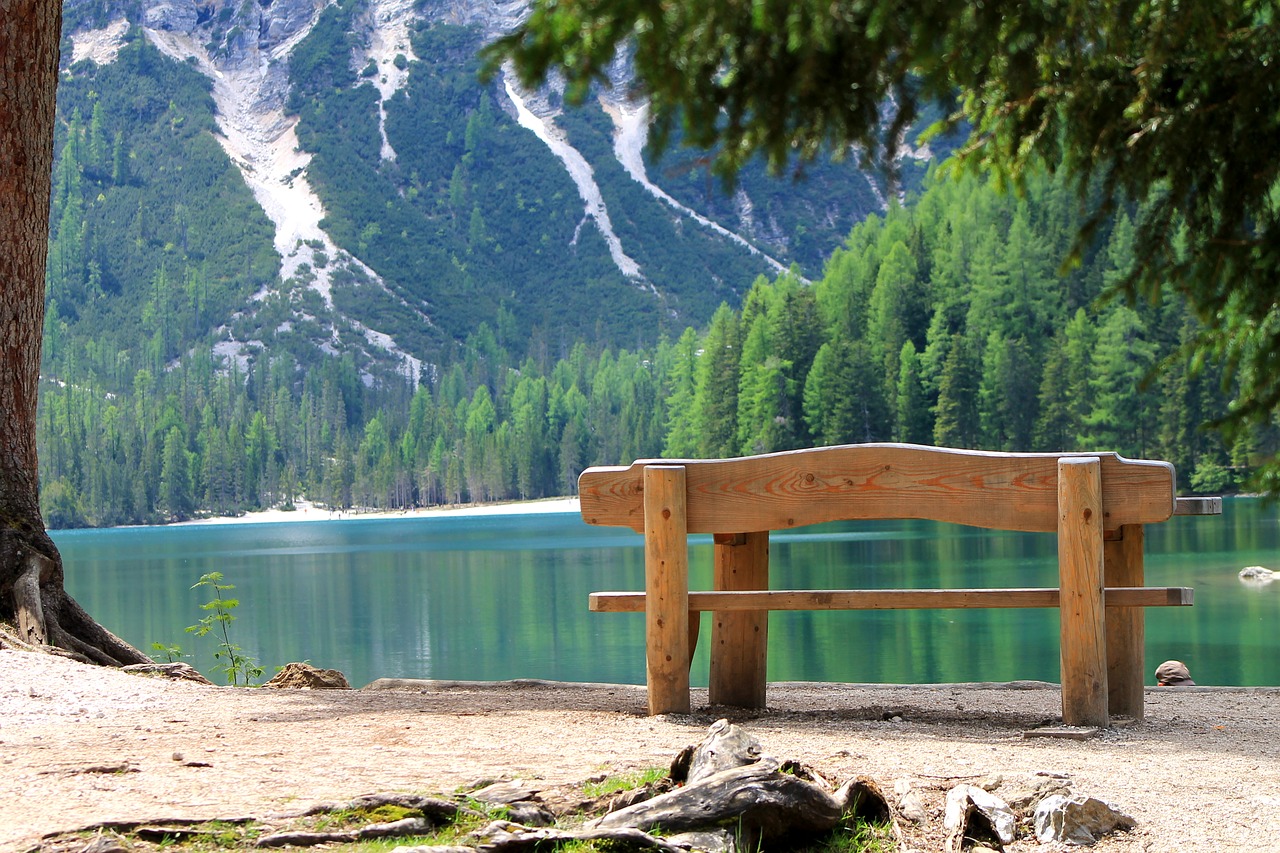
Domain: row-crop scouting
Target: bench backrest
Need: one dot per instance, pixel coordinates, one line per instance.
(778, 491)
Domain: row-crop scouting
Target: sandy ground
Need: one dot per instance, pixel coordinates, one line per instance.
(82, 745)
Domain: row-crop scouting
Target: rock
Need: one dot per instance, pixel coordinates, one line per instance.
(1173, 673)
(436, 810)
(1078, 819)
(1022, 793)
(978, 815)
(529, 814)
(1257, 574)
(910, 801)
(304, 676)
(504, 793)
(178, 17)
(178, 671)
(991, 783)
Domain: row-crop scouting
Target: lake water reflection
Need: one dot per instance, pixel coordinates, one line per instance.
(498, 597)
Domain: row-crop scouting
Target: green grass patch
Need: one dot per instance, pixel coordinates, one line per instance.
(624, 782)
(859, 837)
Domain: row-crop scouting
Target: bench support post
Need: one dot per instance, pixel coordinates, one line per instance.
(1126, 630)
(739, 639)
(666, 574)
(1080, 571)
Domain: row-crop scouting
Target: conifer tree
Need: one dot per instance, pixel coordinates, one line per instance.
(715, 404)
(175, 477)
(956, 420)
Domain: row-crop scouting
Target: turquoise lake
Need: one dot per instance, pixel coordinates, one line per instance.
(499, 597)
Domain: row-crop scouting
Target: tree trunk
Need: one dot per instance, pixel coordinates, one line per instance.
(32, 597)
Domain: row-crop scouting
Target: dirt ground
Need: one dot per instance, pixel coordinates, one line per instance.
(80, 746)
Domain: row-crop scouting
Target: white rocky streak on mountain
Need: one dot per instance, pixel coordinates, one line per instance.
(244, 49)
(102, 45)
(388, 26)
(875, 191)
(250, 83)
(249, 88)
(631, 134)
(579, 169)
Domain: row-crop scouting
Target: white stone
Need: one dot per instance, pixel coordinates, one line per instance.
(1078, 819)
(963, 798)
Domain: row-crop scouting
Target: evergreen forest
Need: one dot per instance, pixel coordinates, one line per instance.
(948, 319)
(945, 322)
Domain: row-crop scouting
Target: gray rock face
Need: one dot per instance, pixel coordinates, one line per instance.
(238, 30)
(1077, 819)
(495, 17)
(178, 16)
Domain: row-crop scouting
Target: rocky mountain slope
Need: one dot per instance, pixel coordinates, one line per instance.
(407, 202)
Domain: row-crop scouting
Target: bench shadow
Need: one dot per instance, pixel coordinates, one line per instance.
(1203, 721)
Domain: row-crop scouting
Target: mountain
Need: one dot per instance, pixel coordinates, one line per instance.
(300, 251)
(332, 179)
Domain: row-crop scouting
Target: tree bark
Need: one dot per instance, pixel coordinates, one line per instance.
(32, 597)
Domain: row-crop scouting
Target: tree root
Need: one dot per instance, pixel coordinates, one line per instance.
(394, 829)
(34, 602)
(32, 626)
(505, 836)
(71, 628)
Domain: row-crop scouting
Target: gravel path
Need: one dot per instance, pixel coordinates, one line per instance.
(82, 745)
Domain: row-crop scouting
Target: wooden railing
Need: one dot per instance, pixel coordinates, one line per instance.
(1097, 504)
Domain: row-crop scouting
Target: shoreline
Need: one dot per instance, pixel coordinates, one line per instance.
(308, 512)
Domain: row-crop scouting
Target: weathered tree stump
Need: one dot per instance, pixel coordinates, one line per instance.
(726, 746)
(731, 784)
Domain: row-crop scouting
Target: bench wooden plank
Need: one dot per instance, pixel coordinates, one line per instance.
(1126, 626)
(1198, 506)
(778, 491)
(739, 639)
(1083, 622)
(668, 649)
(893, 599)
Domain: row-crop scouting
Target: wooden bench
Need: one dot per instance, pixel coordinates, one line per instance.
(1097, 503)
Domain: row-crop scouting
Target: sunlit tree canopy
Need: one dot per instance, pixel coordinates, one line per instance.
(1170, 108)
